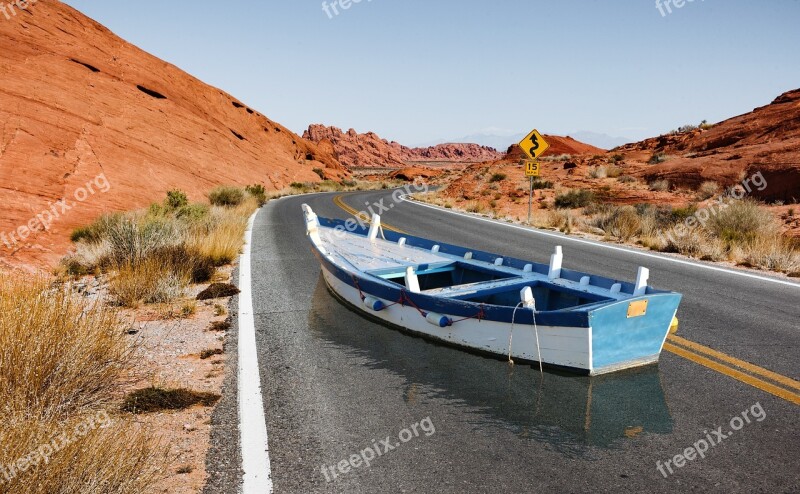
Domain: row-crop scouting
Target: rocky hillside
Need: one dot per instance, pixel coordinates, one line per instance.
(766, 140)
(91, 120)
(371, 151)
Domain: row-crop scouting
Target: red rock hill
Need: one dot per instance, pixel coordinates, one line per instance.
(371, 151)
(78, 102)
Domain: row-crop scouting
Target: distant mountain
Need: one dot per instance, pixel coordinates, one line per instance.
(603, 141)
(498, 141)
(369, 150)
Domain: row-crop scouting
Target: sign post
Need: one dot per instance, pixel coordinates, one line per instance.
(533, 146)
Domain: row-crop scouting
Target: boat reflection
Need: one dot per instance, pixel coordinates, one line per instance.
(565, 411)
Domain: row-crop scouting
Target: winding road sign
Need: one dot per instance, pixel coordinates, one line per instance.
(534, 145)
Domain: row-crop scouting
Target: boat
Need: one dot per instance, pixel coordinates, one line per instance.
(485, 303)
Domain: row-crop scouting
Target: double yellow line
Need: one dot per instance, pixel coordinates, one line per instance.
(339, 201)
(758, 377)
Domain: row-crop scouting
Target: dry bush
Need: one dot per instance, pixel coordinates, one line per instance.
(117, 457)
(58, 353)
(695, 243)
(708, 190)
(475, 207)
(598, 172)
(63, 360)
(741, 222)
(659, 185)
(622, 223)
(773, 253)
(153, 280)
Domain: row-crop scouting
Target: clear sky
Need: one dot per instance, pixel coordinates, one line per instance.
(421, 70)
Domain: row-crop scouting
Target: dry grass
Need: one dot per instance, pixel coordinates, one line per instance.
(622, 223)
(659, 185)
(153, 281)
(707, 190)
(58, 354)
(63, 361)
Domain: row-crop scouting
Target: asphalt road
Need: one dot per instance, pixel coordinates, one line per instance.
(336, 384)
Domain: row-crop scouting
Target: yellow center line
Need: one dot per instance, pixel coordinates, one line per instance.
(738, 375)
(339, 201)
(753, 369)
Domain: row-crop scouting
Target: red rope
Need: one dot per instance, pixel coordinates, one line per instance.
(404, 298)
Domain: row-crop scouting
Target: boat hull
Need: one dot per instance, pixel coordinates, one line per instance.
(568, 348)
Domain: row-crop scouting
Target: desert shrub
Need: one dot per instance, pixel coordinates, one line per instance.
(226, 196)
(622, 222)
(657, 158)
(741, 222)
(613, 171)
(150, 281)
(626, 179)
(319, 172)
(539, 184)
(192, 212)
(497, 177)
(616, 158)
(660, 185)
(131, 240)
(774, 253)
(694, 242)
(258, 192)
(598, 172)
(175, 199)
(708, 190)
(574, 199)
(58, 353)
(97, 230)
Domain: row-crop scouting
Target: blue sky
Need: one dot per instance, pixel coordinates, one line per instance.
(420, 70)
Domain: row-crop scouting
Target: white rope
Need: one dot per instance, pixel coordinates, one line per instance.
(536, 329)
(511, 334)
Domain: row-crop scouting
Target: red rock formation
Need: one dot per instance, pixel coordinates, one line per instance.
(77, 102)
(766, 139)
(371, 151)
(558, 146)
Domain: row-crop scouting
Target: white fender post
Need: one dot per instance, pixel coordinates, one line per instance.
(312, 224)
(555, 263)
(401, 242)
(616, 288)
(374, 227)
(642, 278)
(412, 281)
(435, 249)
(499, 261)
(526, 296)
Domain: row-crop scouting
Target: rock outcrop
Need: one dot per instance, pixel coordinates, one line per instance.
(369, 150)
(82, 109)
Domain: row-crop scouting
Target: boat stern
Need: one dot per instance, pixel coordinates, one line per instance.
(631, 332)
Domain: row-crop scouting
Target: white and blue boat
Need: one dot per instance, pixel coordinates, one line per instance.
(482, 302)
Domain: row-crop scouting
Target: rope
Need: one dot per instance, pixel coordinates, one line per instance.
(511, 334)
(536, 329)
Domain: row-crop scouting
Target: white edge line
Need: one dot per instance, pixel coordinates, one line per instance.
(257, 477)
(606, 246)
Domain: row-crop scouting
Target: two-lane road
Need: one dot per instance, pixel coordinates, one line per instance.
(336, 384)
